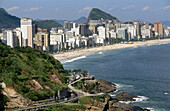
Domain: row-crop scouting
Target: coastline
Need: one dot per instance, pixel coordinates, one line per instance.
(80, 52)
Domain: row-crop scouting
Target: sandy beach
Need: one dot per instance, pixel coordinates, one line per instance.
(77, 53)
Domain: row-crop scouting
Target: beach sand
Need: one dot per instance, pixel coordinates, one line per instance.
(77, 53)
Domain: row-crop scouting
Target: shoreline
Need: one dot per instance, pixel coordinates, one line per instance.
(80, 52)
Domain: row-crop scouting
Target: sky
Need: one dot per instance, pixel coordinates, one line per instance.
(124, 10)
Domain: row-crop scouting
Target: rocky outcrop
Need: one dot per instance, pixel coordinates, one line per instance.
(117, 106)
(55, 77)
(96, 105)
(106, 86)
(124, 96)
(14, 99)
(36, 85)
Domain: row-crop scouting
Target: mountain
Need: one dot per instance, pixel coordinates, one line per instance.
(27, 74)
(47, 24)
(7, 20)
(81, 20)
(166, 22)
(61, 21)
(78, 21)
(97, 14)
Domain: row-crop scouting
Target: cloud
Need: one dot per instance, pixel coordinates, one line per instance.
(112, 8)
(13, 8)
(85, 9)
(129, 7)
(34, 8)
(146, 8)
(57, 9)
(166, 7)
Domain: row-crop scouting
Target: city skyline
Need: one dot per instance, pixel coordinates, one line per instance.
(149, 11)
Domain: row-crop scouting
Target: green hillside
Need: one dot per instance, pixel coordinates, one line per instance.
(97, 14)
(47, 24)
(7, 20)
(20, 67)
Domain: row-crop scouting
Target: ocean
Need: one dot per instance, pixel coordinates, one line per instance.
(142, 71)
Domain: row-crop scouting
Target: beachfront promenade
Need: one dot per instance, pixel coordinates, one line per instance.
(77, 53)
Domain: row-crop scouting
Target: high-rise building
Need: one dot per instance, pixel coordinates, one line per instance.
(133, 32)
(12, 40)
(42, 39)
(67, 26)
(122, 33)
(84, 29)
(101, 32)
(159, 28)
(138, 27)
(19, 36)
(27, 31)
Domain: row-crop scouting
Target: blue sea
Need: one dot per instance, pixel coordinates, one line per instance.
(142, 71)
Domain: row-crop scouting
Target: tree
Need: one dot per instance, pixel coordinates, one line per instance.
(84, 73)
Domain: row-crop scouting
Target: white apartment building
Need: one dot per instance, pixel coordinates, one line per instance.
(101, 32)
(19, 36)
(12, 39)
(133, 32)
(146, 33)
(113, 34)
(75, 30)
(27, 31)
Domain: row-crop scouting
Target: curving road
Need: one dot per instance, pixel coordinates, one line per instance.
(79, 93)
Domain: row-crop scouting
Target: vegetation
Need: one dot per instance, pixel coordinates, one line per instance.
(116, 40)
(91, 100)
(20, 66)
(90, 88)
(97, 14)
(7, 20)
(47, 24)
(81, 20)
(66, 107)
(2, 100)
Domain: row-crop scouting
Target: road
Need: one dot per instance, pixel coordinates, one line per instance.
(79, 93)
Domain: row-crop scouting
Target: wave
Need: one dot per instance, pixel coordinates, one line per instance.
(166, 93)
(141, 98)
(112, 95)
(137, 99)
(135, 47)
(120, 86)
(100, 53)
(151, 109)
(74, 59)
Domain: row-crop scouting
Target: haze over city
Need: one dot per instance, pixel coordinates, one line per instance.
(145, 10)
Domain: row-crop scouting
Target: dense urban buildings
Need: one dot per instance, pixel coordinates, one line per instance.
(73, 35)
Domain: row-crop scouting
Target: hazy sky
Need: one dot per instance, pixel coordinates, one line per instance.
(147, 10)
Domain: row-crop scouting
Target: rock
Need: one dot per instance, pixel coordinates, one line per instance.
(15, 99)
(106, 86)
(55, 77)
(35, 85)
(123, 96)
(123, 107)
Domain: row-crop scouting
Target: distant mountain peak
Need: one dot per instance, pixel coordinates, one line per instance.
(97, 14)
(3, 10)
(81, 20)
(7, 20)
